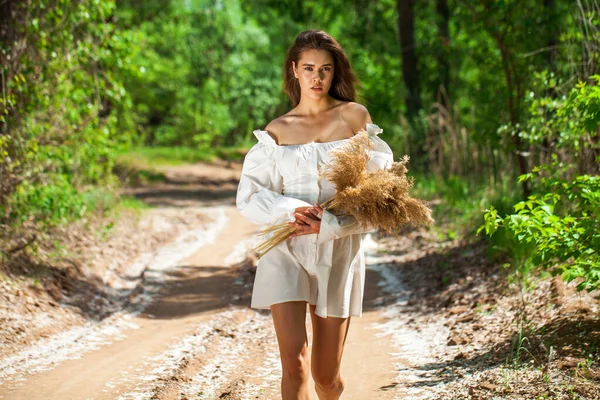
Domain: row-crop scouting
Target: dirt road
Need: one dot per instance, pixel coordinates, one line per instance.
(196, 341)
(196, 337)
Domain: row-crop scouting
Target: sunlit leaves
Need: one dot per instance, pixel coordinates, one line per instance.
(563, 225)
(64, 107)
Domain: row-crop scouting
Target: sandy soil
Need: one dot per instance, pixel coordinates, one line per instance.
(173, 321)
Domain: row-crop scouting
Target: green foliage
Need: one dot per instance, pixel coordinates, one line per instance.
(64, 109)
(565, 122)
(96, 87)
(458, 202)
(51, 204)
(64, 114)
(563, 225)
(583, 107)
(206, 77)
(557, 227)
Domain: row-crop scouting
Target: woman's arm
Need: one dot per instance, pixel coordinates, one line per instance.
(259, 196)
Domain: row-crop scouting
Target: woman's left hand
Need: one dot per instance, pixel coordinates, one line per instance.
(309, 222)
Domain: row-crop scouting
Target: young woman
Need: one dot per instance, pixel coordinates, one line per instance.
(323, 264)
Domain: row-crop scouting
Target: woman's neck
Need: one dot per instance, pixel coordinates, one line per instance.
(311, 108)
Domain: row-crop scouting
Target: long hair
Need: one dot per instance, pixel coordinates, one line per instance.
(344, 79)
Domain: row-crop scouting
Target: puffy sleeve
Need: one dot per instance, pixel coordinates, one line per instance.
(259, 195)
(333, 227)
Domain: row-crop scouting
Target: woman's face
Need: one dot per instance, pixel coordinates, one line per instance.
(314, 72)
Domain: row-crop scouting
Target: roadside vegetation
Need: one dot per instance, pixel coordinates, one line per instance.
(496, 102)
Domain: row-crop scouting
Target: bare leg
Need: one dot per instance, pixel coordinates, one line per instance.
(329, 337)
(289, 319)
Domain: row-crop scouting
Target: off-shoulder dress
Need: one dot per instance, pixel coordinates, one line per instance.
(325, 269)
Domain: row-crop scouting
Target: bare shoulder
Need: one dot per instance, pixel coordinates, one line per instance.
(277, 127)
(356, 115)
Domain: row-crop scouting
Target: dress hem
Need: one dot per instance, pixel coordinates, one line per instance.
(268, 307)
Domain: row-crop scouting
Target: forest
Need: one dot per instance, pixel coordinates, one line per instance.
(481, 95)
(497, 103)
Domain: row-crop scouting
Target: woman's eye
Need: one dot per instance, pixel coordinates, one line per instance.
(311, 68)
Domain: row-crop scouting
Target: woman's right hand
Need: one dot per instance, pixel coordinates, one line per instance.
(308, 220)
(314, 212)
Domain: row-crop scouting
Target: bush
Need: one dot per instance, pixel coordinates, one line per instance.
(558, 227)
(63, 112)
(562, 225)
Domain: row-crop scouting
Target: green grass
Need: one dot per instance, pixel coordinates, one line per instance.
(136, 169)
(139, 165)
(124, 204)
(179, 155)
(459, 202)
(131, 203)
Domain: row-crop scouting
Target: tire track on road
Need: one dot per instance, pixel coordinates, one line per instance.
(73, 344)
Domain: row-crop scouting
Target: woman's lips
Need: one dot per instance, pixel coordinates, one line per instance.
(316, 89)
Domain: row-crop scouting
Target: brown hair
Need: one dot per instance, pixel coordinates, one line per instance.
(342, 86)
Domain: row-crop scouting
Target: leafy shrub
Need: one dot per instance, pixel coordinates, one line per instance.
(63, 113)
(558, 227)
(563, 225)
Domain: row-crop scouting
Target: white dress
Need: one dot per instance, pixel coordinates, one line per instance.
(325, 269)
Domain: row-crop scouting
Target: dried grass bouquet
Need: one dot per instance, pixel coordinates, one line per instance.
(377, 200)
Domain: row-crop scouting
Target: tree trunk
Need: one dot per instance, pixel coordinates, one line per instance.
(513, 97)
(410, 72)
(443, 89)
(550, 55)
(552, 32)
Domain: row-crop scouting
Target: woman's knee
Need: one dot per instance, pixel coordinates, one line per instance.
(326, 377)
(296, 365)
(328, 381)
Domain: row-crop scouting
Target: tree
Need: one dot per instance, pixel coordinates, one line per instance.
(443, 19)
(410, 70)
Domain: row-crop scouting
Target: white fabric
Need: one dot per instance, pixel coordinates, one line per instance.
(325, 269)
